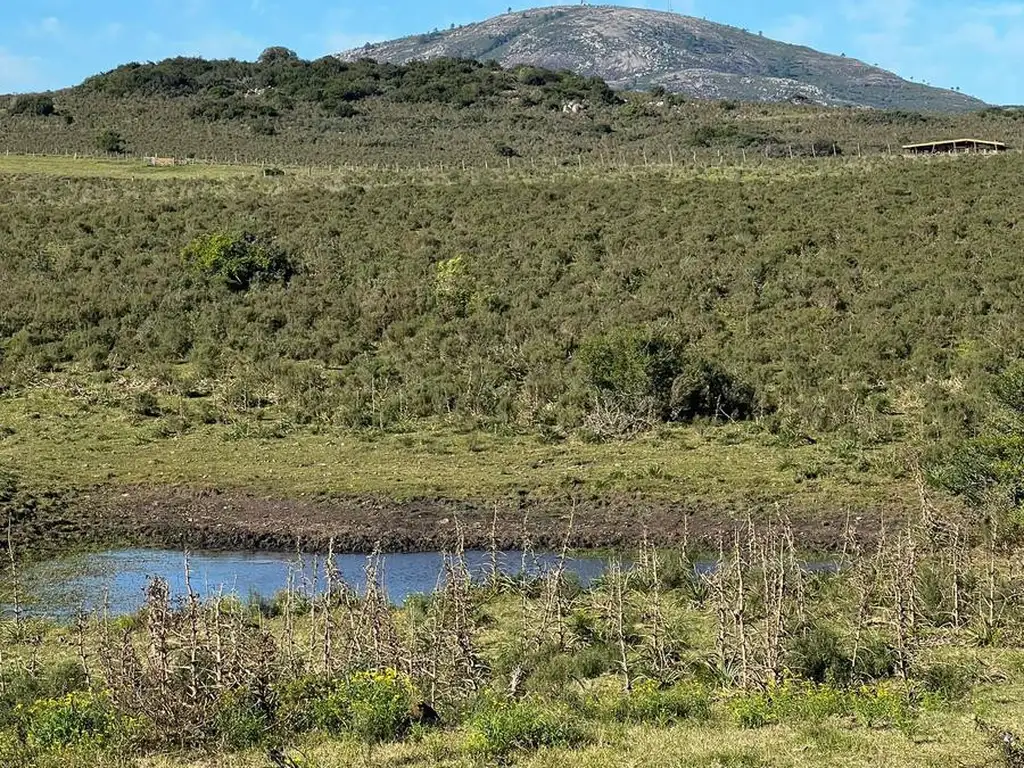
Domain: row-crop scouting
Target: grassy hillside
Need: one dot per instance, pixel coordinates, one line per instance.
(432, 269)
(845, 297)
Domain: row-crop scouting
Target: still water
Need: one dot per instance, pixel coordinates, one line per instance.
(116, 580)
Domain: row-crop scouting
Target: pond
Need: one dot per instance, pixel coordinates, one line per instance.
(116, 580)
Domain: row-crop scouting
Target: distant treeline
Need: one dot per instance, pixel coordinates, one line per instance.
(280, 78)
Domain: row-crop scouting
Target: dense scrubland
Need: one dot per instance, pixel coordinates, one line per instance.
(850, 300)
(450, 288)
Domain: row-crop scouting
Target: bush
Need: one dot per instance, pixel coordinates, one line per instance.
(817, 654)
(502, 728)
(39, 105)
(887, 705)
(238, 260)
(753, 710)
(239, 721)
(649, 377)
(77, 719)
(452, 287)
(111, 142)
(951, 682)
(373, 706)
(820, 655)
(303, 705)
(51, 682)
(550, 670)
(879, 706)
(278, 55)
(342, 109)
(650, 703)
(379, 704)
(146, 404)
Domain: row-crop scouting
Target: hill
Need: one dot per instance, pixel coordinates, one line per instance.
(634, 49)
(443, 112)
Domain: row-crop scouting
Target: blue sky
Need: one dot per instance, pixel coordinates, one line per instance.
(977, 45)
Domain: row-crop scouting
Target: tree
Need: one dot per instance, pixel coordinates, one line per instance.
(35, 104)
(238, 259)
(110, 141)
(278, 54)
(649, 377)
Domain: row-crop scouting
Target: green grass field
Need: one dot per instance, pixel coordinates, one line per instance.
(53, 440)
(114, 168)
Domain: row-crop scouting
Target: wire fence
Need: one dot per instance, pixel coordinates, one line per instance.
(669, 158)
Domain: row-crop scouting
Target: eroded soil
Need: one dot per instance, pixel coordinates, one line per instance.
(239, 520)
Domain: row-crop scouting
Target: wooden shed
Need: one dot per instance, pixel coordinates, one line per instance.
(954, 145)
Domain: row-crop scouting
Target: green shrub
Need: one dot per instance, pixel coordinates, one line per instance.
(76, 719)
(753, 710)
(379, 705)
(819, 654)
(14, 752)
(1008, 387)
(238, 260)
(501, 728)
(649, 376)
(452, 288)
(882, 705)
(950, 681)
(21, 687)
(373, 706)
(146, 404)
(40, 105)
(239, 721)
(648, 702)
(301, 705)
(111, 142)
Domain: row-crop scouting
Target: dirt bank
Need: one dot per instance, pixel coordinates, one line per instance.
(223, 520)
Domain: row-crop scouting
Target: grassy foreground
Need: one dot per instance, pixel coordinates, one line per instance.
(910, 656)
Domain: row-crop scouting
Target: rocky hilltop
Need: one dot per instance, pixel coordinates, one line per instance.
(633, 48)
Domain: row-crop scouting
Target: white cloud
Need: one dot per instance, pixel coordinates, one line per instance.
(997, 10)
(49, 27)
(112, 31)
(884, 14)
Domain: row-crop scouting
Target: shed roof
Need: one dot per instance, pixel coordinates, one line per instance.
(997, 145)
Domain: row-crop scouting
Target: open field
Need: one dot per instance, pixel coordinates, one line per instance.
(73, 166)
(328, 176)
(130, 480)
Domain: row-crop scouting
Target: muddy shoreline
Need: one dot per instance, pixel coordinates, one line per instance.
(206, 519)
